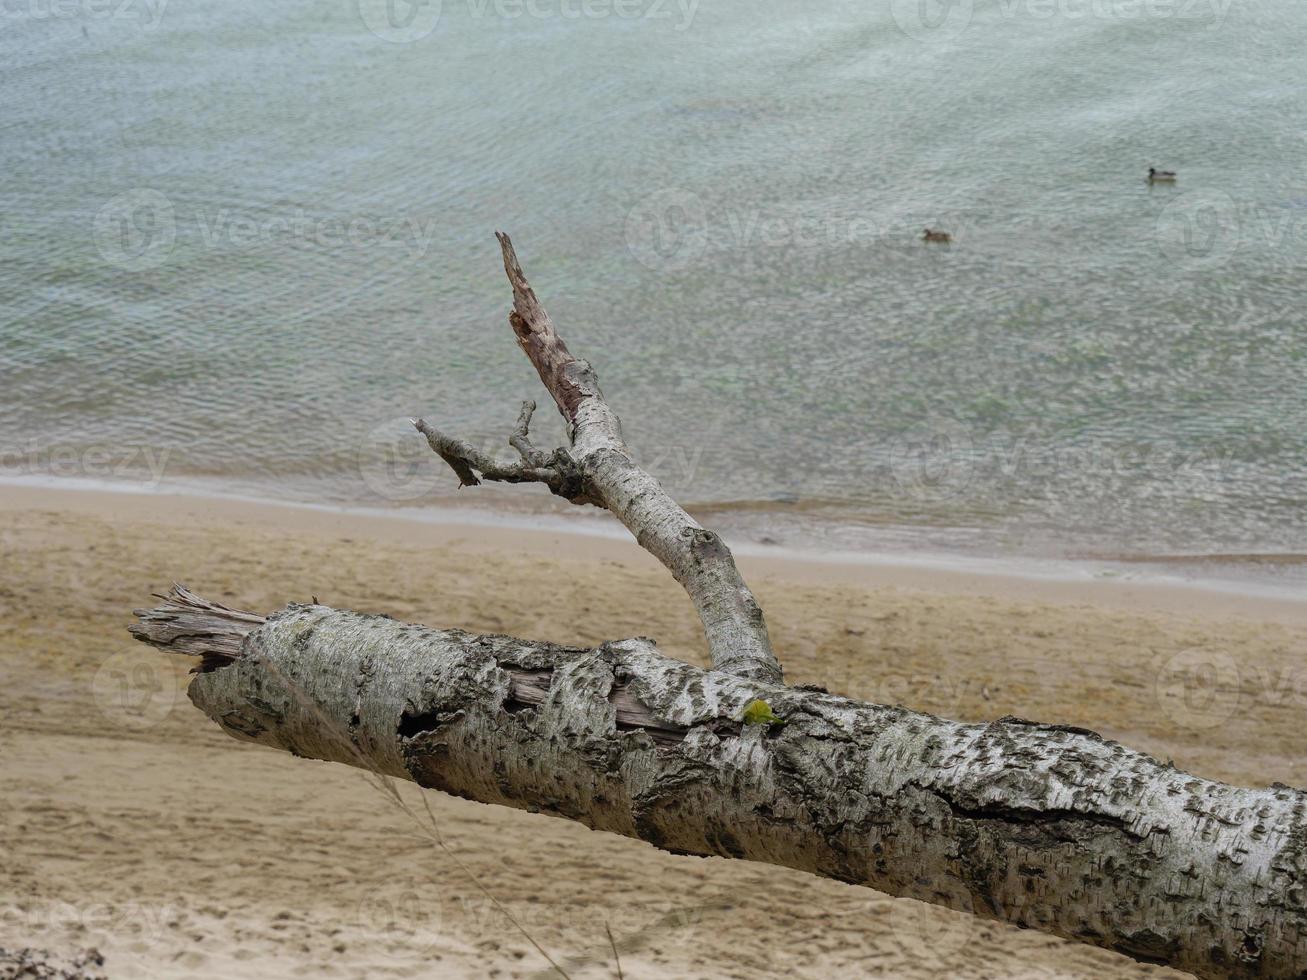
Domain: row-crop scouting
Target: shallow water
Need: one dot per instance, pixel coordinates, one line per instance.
(242, 245)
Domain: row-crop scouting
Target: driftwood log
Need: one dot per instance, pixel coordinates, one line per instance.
(1044, 826)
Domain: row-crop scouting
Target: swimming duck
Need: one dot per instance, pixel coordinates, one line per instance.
(1163, 175)
(933, 235)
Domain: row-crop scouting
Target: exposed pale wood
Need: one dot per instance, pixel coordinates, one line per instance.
(195, 627)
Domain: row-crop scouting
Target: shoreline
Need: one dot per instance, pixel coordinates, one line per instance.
(602, 539)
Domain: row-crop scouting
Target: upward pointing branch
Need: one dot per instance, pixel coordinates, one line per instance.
(598, 469)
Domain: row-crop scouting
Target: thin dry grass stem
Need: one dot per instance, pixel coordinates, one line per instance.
(617, 960)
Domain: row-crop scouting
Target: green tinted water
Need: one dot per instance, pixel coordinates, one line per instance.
(251, 241)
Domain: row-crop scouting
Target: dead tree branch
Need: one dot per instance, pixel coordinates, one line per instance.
(597, 469)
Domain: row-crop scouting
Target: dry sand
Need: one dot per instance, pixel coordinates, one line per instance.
(128, 822)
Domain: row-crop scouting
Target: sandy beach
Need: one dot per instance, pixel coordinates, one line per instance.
(129, 823)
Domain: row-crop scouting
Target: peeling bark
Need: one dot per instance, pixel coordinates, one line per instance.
(1044, 826)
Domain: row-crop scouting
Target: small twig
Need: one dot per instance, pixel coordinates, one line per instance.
(521, 439)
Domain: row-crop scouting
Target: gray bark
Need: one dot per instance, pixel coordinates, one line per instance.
(597, 469)
(1044, 826)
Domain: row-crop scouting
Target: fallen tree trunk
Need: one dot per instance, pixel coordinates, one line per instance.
(1043, 826)
(1038, 825)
